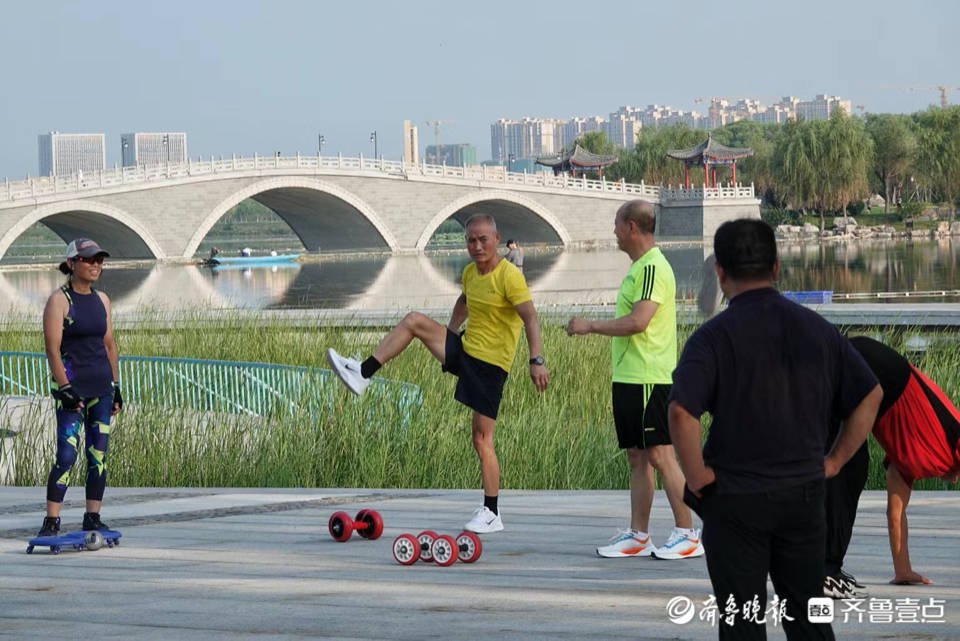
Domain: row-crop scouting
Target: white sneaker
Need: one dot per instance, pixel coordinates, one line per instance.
(348, 370)
(484, 521)
(681, 545)
(627, 543)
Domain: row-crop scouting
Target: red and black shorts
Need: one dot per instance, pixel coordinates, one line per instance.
(640, 414)
(920, 431)
(479, 383)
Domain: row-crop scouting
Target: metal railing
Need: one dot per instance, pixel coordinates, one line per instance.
(154, 175)
(259, 389)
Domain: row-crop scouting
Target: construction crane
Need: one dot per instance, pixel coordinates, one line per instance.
(436, 124)
(943, 89)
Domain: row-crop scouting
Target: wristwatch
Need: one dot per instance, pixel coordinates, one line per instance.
(536, 360)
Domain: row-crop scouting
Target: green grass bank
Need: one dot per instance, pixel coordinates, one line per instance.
(562, 439)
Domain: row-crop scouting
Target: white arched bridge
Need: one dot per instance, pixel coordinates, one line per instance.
(336, 204)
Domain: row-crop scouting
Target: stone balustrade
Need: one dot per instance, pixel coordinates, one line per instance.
(45, 186)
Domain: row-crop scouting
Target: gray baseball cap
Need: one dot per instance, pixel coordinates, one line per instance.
(81, 247)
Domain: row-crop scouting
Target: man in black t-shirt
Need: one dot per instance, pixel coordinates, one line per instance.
(772, 374)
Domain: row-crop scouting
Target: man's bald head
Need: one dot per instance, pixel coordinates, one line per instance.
(641, 213)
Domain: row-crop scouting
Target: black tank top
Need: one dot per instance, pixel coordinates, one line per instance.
(81, 348)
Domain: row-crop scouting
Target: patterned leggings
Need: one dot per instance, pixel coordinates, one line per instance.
(95, 417)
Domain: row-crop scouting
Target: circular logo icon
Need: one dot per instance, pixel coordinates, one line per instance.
(680, 610)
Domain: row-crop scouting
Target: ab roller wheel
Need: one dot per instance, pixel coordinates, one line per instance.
(444, 550)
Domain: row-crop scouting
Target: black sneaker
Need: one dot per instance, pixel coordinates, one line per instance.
(91, 521)
(837, 587)
(51, 526)
(851, 579)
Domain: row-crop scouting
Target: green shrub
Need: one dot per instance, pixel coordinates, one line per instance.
(776, 216)
(856, 208)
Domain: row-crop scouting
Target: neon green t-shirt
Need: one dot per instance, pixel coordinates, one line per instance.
(651, 355)
(493, 325)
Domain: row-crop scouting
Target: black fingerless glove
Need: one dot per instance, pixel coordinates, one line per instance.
(117, 398)
(68, 398)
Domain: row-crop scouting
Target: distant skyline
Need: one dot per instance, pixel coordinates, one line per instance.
(258, 77)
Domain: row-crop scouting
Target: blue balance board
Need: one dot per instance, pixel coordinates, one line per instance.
(70, 540)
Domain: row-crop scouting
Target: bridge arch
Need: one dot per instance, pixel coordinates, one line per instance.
(348, 221)
(114, 229)
(516, 215)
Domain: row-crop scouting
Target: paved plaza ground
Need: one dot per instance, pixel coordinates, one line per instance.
(259, 563)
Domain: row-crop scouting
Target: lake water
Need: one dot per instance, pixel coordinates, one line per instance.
(431, 281)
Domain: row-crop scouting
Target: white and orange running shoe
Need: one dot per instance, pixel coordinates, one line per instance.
(682, 544)
(627, 543)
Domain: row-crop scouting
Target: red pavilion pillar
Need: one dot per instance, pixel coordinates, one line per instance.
(706, 175)
(686, 176)
(733, 173)
(714, 177)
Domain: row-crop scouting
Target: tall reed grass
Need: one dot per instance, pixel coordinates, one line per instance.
(562, 439)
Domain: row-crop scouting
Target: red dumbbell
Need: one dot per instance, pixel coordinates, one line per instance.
(368, 524)
(443, 550)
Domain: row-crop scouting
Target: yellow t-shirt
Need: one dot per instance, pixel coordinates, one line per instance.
(493, 325)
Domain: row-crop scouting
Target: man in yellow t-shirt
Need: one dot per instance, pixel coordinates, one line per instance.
(497, 302)
(644, 354)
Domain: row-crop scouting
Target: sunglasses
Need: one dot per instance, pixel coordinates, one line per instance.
(93, 260)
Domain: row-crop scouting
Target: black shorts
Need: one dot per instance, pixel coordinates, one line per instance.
(480, 384)
(640, 414)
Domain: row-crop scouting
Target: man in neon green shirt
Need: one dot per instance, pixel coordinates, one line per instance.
(497, 302)
(644, 354)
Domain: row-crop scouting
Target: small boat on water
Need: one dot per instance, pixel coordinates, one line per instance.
(249, 260)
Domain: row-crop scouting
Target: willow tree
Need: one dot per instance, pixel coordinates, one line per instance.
(762, 138)
(846, 156)
(938, 157)
(796, 160)
(648, 159)
(895, 149)
(596, 142)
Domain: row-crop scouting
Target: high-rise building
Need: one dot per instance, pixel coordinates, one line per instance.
(505, 140)
(411, 146)
(527, 138)
(576, 127)
(65, 154)
(457, 155)
(624, 126)
(773, 113)
(821, 107)
(540, 136)
(164, 148)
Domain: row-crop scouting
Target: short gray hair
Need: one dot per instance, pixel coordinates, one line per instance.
(481, 218)
(642, 213)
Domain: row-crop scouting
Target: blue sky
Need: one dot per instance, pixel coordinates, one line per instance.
(249, 76)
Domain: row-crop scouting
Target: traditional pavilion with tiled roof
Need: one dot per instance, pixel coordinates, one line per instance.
(707, 153)
(579, 158)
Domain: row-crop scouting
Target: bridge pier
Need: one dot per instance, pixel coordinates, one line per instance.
(697, 217)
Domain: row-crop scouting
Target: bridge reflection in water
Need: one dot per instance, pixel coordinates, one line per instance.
(384, 282)
(408, 282)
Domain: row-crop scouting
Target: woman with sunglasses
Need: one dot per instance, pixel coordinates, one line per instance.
(82, 355)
